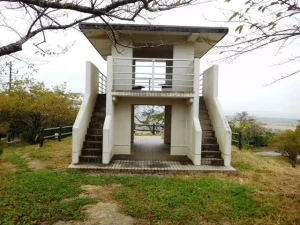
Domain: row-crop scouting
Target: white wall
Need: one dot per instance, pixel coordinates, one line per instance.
(194, 132)
(185, 51)
(122, 125)
(217, 116)
(125, 71)
(86, 109)
(108, 127)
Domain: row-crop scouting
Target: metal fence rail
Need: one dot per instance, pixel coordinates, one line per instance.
(201, 84)
(152, 74)
(54, 132)
(102, 83)
(153, 128)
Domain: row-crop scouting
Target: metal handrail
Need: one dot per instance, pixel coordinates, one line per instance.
(156, 59)
(102, 83)
(151, 78)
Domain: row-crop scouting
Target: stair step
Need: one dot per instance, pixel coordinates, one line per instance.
(210, 147)
(209, 140)
(205, 122)
(211, 154)
(90, 159)
(92, 144)
(208, 134)
(207, 127)
(213, 161)
(89, 152)
(93, 137)
(94, 131)
(98, 119)
(204, 117)
(99, 109)
(96, 125)
(100, 114)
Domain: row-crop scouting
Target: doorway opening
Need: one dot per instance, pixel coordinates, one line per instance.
(151, 132)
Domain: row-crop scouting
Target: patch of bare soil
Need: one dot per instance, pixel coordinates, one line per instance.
(105, 212)
(7, 167)
(36, 164)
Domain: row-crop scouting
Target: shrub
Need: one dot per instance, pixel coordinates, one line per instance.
(1, 150)
(288, 143)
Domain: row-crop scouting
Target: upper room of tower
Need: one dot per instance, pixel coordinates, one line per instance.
(151, 41)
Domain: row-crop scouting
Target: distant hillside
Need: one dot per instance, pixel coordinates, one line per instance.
(277, 123)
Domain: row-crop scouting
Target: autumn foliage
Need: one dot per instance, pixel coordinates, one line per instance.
(288, 143)
(29, 105)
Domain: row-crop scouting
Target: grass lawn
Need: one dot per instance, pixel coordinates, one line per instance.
(35, 188)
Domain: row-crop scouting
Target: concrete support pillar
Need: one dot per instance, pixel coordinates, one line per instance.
(132, 124)
(167, 129)
(169, 70)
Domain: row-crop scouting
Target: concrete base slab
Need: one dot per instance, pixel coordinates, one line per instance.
(151, 166)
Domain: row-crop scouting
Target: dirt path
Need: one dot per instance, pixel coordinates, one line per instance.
(105, 212)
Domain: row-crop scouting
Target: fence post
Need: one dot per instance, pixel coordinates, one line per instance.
(153, 129)
(240, 141)
(153, 71)
(59, 133)
(41, 137)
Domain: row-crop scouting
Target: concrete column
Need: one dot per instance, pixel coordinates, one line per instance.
(132, 124)
(167, 129)
(120, 70)
(170, 71)
(86, 109)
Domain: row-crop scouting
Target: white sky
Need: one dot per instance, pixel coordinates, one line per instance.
(240, 83)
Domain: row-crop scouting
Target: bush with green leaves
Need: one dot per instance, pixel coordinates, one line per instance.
(288, 143)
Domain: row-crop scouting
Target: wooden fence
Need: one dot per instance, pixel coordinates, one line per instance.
(153, 128)
(237, 138)
(54, 132)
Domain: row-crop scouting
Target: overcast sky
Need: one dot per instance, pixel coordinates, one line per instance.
(240, 83)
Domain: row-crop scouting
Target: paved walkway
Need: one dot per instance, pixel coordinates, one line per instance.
(272, 153)
(151, 148)
(151, 167)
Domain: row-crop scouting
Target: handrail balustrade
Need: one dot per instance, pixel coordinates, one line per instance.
(153, 74)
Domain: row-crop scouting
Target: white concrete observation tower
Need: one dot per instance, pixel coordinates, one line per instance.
(152, 65)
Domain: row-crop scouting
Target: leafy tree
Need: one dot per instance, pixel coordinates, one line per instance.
(288, 143)
(26, 20)
(273, 23)
(31, 105)
(150, 114)
(253, 131)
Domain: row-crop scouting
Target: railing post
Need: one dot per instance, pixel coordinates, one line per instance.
(59, 133)
(153, 129)
(41, 137)
(102, 81)
(153, 71)
(240, 141)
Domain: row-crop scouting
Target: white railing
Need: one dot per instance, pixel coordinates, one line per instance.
(152, 74)
(217, 116)
(102, 83)
(200, 84)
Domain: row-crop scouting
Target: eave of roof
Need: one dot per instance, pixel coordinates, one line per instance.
(146, 27)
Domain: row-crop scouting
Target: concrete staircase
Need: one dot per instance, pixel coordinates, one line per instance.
(211, 155)
(92, 147)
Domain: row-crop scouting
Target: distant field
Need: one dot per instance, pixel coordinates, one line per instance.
(277, 123)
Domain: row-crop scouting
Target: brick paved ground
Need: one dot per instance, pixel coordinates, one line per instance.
(150, 154)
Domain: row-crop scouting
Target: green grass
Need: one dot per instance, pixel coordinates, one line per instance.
(36, 197)
(16, 159)
(243, 166)
(180, 201)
